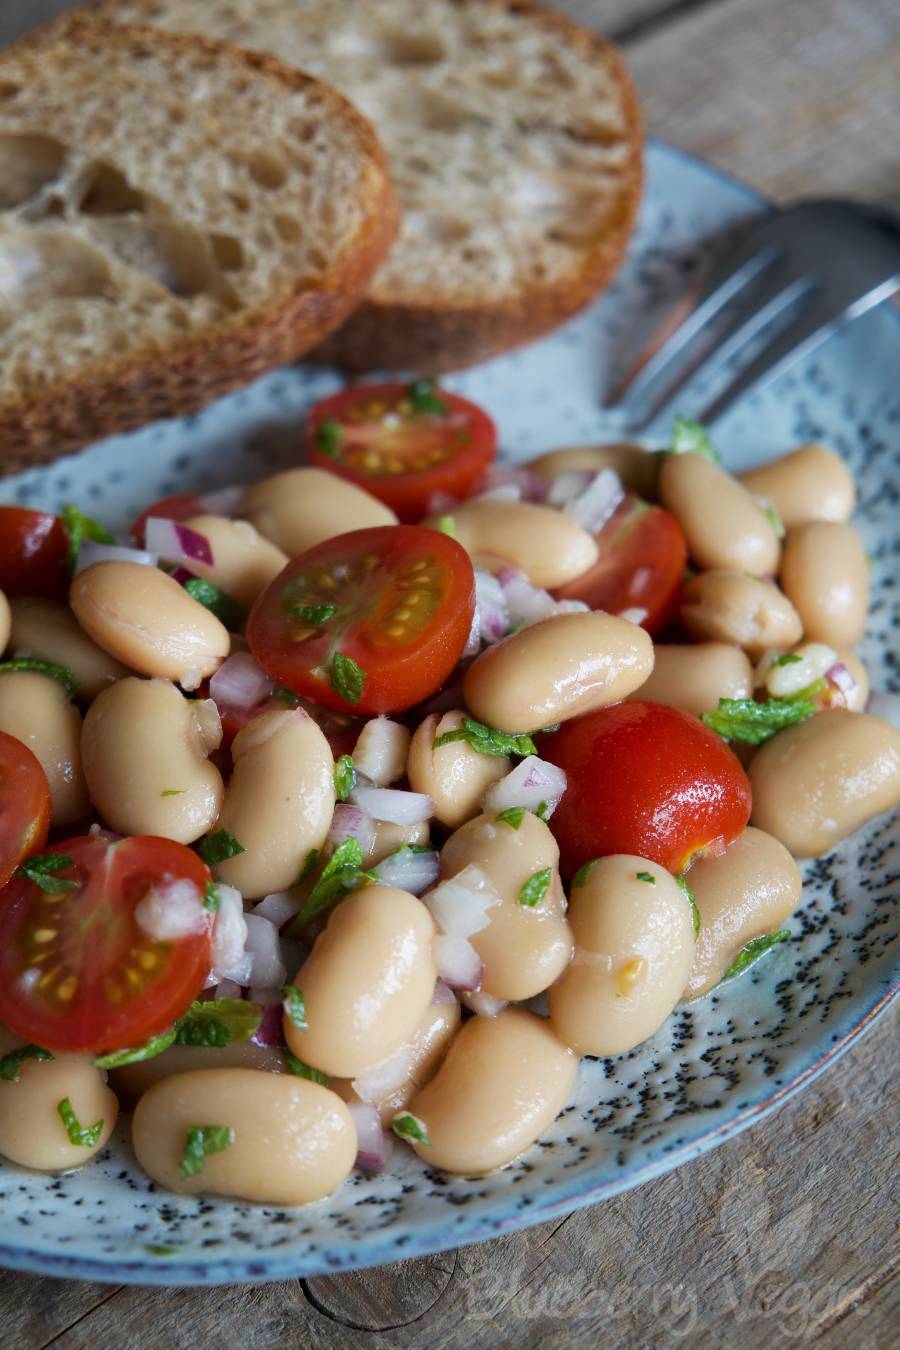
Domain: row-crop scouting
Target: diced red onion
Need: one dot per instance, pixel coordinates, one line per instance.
(374, 1145)
(459, 906)
(91, 552)
(171, 910)
(634, 615)
(176, 542)
(483, 1004)
(442, 993)
(532, 487)
(530, 783)
(839, 675)
(473, 641)
(409, 871)
(271, 1029)
(229, 937)
(503, 492)
(229, 989)
(492, 612)
(440, 503)
(568, 485)
(100, 831)
(351, 822)
(885, 705)
(458, 963)
(592, 508)
(268, 970)
(526, 604)
(384, 1078)
(381, 751)
(278, 907)
(571, 607)
(240, 683)
(222, 502)
(392, 805)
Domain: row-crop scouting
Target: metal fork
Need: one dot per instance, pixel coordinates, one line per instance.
(800, 272)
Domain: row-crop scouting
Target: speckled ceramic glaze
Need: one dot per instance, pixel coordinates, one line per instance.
(715, 1066)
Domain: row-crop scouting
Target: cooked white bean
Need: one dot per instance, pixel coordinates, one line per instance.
(279, 801)
(244, 562)
(695, 676)
(781, 678)
(145, 749)
(389, 1086)
(747, 892)
(145, 619)
(817, 782)
(638, 468)
(503, 1083)
(32, 1132)
(300, 508)
(634, 944)
(292, 1141)
(731, 607)
(381, 750)
(825, 574)
(37, 710)
(455, 776)
(389, 837)
(559, 668)
(5, 623)
(812, 483)
(545, 544)
(726, 528)
(133, 1080)
(366, 983)
(50, 632)
(523, 947)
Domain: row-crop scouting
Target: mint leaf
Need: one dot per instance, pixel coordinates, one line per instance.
(300, 1069)
(407, 1126)
(61, 674)
(513, 815)
(342, 873)
(691, 438)
(752, 951)
(149, 1050)
(743, 719)
(79, 527)
(218, 1022)
(219, 847)
(212, 899)
(200, 1141)
(315, 615)
(681, 881)
(173, 792)
(446, 525)
(787, 659)
(309, 863)
(84, 1136)
(11, 1064)
(344, 777)
(40, 870)
(646, 876)
(213, 598)
(295, 1007)
(535, 888)
(423, 398)
(581, 875)
(347, 678)
(487, 740)
(542, 811)
(330, 437)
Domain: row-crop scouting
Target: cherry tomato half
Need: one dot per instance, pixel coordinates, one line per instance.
(367, 622)
(402, 442)
(33, 549)
(76, 970)
(643, 554)
(645, 779)
(24, 805)
(180, 507)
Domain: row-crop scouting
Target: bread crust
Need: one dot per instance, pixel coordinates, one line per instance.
(123, 394)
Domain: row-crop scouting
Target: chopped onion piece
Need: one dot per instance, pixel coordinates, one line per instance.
(532, 782)
(381, 751)
(568, 485)
(459, 906)
(229, 936)
(374, 1146)
(229, 989)
(473, 641)
(222, 502)
(271, 1029)
(483, 1004)
(458, 963)
(351, 822)
(91, 552)
(392, 805)
(268, 970)
(409, 871)
(526, 604)
(839, 674)
(384, 1078)
(240, 683)
(592, 508)
(503, 492)
(176, 542)
(441, 503)
(886, 705)
(171, 910)
(532, 487)
(278, 907)
(634, 615)
(491, 610)
(442, 993)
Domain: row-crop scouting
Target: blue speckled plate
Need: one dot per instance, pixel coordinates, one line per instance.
(716, 1066)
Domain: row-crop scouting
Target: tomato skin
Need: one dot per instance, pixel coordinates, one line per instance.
(643, 554)
(407, 492)
(645, 779)
(24, 805)
(373, 566)
(181, 506)
(33, 554)
(95, 941)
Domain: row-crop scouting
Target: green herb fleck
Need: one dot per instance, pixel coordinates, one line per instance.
(79, 527)
(300, 1069)
(344, 777)
(774, 519)
(691, 438)
(310, 861)
(219, 847)
(446, 525)
(83, 1136)
(330, 437)
(535, 888)
(753, 950)
(342, 873)
(212, 897)
(513, 815)
(743, 719)
(149, 1050)
(581, 875)
(646, 876)
(407, 1126)
(201, 1140)
(423, 398)
(40, 870)
(347, 678)
(294, 1006)
(787, 659)
(218, 1022)
(173, 792)
(160, 1249)
(681, 882)
(315, 615)
(11, 1064)
(61, 674)
(213, 598)
(487, 740)
(809, 691)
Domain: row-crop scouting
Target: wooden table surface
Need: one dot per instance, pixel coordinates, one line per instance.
(782, 1237)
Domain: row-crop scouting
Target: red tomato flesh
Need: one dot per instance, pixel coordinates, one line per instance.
(402, 448)
(645, 779)
(33, 554)
(76, 971)
(24, 805)
(368, 622)
(643, 554)
(181, 506)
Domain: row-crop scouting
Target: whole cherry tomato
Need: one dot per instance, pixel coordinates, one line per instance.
(24, 805)
(33, 549)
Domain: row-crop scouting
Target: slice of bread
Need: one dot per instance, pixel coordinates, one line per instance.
(515, 144)
(176, 217)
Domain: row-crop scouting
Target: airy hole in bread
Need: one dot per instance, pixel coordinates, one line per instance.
(109, 193)
(9, 90)
(27, 164)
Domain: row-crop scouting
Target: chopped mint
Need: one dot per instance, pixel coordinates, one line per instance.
(681, 881)
(753, 950)
(62, 674)
(85, 1136)
(219, 847)
(407, 1126)
(347, 678)
(743, 719)
(487, 740)
(11, 1064)
(41, 868)
(535, 888)
(201, 1140)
